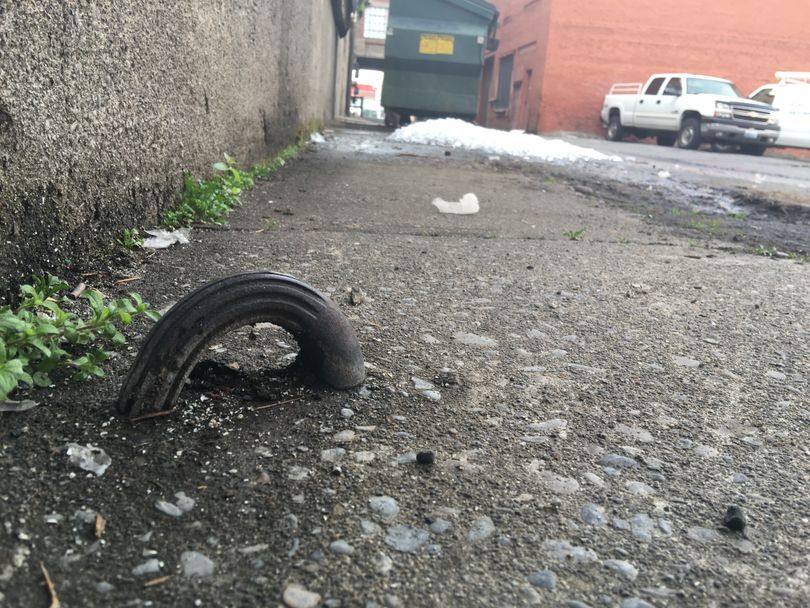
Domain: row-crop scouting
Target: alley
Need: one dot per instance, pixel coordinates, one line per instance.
(590, 389)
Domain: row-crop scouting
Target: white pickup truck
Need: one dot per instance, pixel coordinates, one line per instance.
(791, 99)
(689, 109)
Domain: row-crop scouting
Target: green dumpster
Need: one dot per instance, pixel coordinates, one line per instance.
(433, 56)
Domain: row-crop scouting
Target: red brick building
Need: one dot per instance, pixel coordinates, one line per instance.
(558, 58)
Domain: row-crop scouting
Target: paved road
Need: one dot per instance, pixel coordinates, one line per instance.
(781, 176)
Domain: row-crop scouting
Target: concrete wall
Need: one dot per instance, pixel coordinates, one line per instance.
(104, 105)
(590, 44)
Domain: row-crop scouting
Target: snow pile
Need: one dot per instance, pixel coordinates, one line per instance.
(455, 133)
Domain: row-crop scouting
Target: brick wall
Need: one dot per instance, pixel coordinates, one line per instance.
(591, 44)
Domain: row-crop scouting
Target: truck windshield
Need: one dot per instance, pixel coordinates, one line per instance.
(696, 86)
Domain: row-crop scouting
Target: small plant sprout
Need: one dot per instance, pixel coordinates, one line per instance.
(764, 250)
(130, 239)
(574, 235)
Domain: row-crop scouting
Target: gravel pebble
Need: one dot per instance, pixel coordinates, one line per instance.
(344, 436)
(196, 564)
(384, 506)
(642, 527)
(622, 568)
(480, 529)
(406, 539)
(183, 502)
(545, 579)
(440, 526)
(333, 455)
(704, 535)
(297, 596)
(168, 508)
(617, 461)
(382, 563)
(639, 488)
(150, 566)
(593, 514)
(564, 550)
(341, 547)
(635, 602)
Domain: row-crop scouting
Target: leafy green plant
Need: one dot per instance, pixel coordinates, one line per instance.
(210, 201)
(282, 158)
(574, 235)
(704, 223)
(45, 333)
(130, 239)
(767, 251)
(739, 215)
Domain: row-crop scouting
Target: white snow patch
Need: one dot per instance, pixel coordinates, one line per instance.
(455, 133)
(467, 205)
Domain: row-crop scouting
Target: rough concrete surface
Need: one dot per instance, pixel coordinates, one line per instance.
(591, 408)
(104, 106)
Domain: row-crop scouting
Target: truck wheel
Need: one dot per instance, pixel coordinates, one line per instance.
(391, 119)
(665, 139)
(719, 146)
(689, 135)
(615, 131)
(753, 149)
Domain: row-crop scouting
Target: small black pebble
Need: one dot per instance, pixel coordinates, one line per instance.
(426, 457)
(734, 518)
(447, 152)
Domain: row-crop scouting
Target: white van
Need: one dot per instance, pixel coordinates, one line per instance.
(791, 97)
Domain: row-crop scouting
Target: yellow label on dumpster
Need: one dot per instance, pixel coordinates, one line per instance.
(436, 44)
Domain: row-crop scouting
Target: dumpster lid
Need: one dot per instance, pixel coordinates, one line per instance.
(479, 7)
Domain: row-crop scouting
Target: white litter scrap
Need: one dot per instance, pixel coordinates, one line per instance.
(161, 239)
(89, 458)
(17, 406)
(455, 133)
(317, 138)
(467, 205)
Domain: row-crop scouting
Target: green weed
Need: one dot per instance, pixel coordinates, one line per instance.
(764, 250)
(707, 224)
(574, 235)
(130, 239)
(739, 215)
(210, 201)
(45, 333)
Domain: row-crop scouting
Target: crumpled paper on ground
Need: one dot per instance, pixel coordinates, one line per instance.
(467, 205)
(89, 458)
(161, 239)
